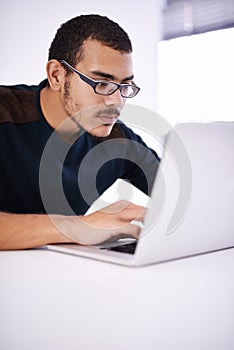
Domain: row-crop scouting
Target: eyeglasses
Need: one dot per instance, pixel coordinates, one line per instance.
(102, 87)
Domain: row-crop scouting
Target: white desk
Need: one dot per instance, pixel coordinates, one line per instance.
(52, 301)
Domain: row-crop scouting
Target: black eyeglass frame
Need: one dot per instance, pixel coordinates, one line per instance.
(93, 83)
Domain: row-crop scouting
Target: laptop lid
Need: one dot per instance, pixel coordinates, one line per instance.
(195, 192)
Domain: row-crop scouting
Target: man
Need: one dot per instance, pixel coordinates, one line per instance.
(52, 138)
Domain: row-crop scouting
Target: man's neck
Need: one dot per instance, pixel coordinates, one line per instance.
(56, 117)
(51, 107)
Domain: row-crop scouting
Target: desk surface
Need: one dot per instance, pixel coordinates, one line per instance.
(53, 301)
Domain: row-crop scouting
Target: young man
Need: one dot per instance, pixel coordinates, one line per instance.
(61, 144)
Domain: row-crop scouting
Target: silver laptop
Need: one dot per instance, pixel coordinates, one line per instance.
(191, 208)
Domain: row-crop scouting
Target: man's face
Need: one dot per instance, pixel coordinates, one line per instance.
(95, 113)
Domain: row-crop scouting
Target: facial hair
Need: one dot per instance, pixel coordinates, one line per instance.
(90, 115)
(71, 108)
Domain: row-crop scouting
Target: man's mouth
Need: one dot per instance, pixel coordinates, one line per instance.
(108, 116)
(108, 119)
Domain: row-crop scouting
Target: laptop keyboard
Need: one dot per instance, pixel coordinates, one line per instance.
(128, 248)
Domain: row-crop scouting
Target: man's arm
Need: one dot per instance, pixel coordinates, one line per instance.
(22, 231)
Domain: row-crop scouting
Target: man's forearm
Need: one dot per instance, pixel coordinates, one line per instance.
(21, 231)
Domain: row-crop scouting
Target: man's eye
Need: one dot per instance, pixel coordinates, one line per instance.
(103, 83)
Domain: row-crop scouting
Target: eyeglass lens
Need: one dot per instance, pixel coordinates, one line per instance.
(108, 88)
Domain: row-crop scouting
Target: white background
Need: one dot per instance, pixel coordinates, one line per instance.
(196, 75)
(28, 27)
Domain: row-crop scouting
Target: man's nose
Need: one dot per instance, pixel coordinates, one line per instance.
(115, 98)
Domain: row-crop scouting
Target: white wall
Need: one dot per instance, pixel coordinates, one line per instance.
(27, 27)
(196, 75)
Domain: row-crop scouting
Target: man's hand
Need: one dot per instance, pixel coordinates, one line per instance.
(108, 223)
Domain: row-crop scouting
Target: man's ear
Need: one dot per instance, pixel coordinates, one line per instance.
(55, 74)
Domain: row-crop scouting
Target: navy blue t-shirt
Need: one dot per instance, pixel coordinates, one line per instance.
(40, 172)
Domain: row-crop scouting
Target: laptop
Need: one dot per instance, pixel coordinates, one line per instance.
(191, 207)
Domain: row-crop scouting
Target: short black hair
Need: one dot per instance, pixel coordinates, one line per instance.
(68, 41)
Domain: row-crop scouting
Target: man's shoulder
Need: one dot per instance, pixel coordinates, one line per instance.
(18, 104)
